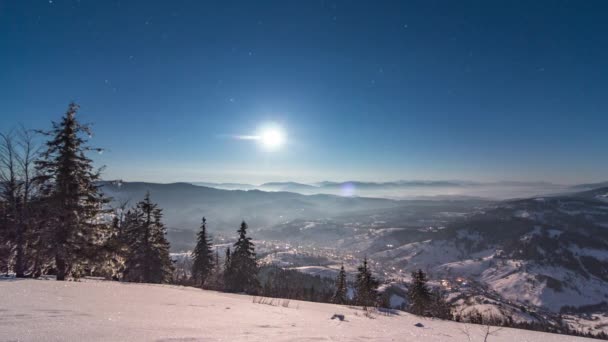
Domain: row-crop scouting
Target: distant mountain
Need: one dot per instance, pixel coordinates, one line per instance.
(289, 186)
(427, 189)
(589, 186)
(226, 186)
(546, 252)
(526, 258)
(185, 204)
(396, 184)
(524, 184)
(599, 194)
(410, 189)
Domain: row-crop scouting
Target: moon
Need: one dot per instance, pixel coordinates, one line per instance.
(272, 138)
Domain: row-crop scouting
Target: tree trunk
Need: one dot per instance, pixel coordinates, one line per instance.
(60, 265)
(61, 238)
(20, 255)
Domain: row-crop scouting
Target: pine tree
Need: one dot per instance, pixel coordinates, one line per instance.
(340, 294)
(41, 233)
(366, 286)
(116, 248)
(227, 278)
(136, 245)
(75, 201)
(243, 265)
(163, 270)
(215, 279)
(148, 258)
(203, 256)
(113, 253)
(419, 294)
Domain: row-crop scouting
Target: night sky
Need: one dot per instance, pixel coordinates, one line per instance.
(378, 90)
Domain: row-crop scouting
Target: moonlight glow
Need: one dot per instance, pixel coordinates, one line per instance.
(272, 138)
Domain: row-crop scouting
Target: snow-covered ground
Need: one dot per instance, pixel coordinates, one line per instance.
(45, 310)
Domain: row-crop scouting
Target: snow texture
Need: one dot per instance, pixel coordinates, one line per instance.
(44, 310)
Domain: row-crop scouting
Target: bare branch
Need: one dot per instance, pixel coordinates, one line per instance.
(490, 332)
(465, 330)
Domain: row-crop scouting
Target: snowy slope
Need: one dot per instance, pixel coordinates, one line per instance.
(42, 310)
(544, 253)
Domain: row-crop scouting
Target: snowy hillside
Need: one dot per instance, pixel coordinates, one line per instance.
(42, 310)
(525, 259)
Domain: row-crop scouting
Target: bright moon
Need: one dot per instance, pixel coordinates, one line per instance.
(272, 138)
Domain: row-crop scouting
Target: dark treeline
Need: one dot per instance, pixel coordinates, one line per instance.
(55, 220)
(292, 284)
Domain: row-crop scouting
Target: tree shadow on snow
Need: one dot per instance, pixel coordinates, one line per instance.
(10, 279)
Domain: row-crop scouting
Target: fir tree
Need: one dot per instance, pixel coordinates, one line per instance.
(340, 294)
(163, 270)
(243, 265)
(75, 201)
(366, 286)
(227, 277)
(419, 294)
(203, 256)
(217, 260)
(115, 250)
(137, 242)
(215, 279)
(148, 259)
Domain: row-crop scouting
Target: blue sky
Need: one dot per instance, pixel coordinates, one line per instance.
(383, 90)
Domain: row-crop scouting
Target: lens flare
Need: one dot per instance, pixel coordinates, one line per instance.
(270, 136)
(347, 189)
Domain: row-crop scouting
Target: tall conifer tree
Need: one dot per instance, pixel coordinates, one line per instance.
(419, 294)
(244, 269)
(75, 201)
(366, 286)
(203, 256)
(227, 277)
(340, 294)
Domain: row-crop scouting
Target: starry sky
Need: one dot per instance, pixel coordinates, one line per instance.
(366, 90)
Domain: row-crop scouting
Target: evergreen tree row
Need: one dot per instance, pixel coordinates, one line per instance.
(55, 220)
(422, 301)
(239, 271)
(293, 284)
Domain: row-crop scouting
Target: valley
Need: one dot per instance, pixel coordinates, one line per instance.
(535, 260)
